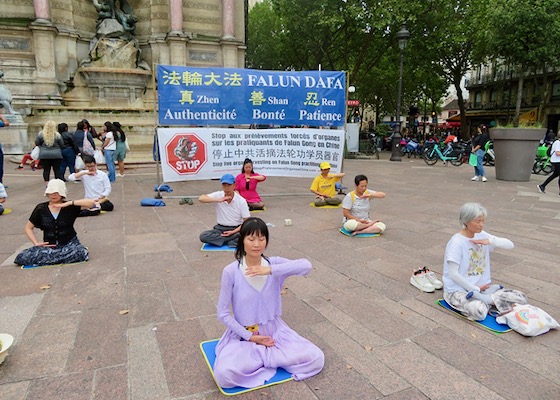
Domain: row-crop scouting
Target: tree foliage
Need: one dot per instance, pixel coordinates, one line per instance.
(524, 35)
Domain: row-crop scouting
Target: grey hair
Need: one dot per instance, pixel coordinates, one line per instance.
(470, 211)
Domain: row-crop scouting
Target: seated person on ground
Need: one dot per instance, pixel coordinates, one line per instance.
(96, 186)
(56, 219)
(246, 184)
(27, 157)
(231, 211)
(466, 267)
(3, 197)
(324, 186)
(355, 209)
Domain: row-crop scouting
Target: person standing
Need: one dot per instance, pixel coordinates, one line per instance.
(555, 161)
(478, 148)
(69, 150)
(121, 148)
(84, 140)
(50, 153)
(109, 146)
(3, 122)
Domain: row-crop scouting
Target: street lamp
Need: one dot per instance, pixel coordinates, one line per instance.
(402, 36)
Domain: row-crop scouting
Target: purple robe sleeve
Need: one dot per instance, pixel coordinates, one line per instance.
(284, 267)
(224, 305)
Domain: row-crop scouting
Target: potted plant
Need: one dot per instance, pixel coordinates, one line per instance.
(515, 149)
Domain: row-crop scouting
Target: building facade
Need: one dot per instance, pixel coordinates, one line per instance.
(47, 52)
(493, 96)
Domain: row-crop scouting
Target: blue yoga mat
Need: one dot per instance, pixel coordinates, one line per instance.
(348, 233)
(489, 322)
(208, 349)
(51, 266)
(211, 247)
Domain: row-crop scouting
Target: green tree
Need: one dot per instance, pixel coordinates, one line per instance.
(264, 38)
(524, 35)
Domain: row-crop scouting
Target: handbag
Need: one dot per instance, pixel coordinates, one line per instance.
(473, 160)
(35, 152)
(87, 148)
(99, 157)
(79, 164)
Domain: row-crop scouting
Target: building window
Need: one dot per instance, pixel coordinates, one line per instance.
(555, 94)
(478, 99)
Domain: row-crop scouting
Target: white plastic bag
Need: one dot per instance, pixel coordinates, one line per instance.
(528, 320)
(99, 157)
(79, 164)
(35, 152)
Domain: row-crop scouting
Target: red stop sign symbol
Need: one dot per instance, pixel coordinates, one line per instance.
(186, 153)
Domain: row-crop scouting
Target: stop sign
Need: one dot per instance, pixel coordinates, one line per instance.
(186, 153)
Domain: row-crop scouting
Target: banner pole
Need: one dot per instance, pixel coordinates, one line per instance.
(156, 142)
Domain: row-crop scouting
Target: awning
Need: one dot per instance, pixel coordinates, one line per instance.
(455, 118)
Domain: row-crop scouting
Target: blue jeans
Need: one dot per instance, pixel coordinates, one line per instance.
(68, 160)
(479, 169)
(110, 160)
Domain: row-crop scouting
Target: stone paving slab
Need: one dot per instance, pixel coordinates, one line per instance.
(127, 324)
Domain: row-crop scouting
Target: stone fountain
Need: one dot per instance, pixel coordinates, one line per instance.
(114, 70)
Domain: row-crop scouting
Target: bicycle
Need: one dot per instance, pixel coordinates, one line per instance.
(489, 155)
(433, 153)
(373, 144)
(542, 161)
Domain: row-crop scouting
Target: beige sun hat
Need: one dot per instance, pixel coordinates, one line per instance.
(56, 186)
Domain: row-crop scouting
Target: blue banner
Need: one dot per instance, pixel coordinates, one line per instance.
(235, 96)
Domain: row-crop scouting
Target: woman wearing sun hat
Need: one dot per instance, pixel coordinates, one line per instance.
(55, 218)
(324, 186)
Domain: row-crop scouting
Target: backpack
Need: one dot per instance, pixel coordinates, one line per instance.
(87, 148)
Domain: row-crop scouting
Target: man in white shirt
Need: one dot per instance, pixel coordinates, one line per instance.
(96, 186)
(231, 211)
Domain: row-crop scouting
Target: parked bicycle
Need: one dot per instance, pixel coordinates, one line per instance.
(433, 153)
(489, 155)
(410, 148)
(542, 161)
(373, 145)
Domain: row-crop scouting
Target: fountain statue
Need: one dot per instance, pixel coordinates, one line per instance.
(6, 98)
(114, 68)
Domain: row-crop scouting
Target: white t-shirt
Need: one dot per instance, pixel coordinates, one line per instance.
(555, 147)
(360, 207)
(473, 261)
(231, 214)
(112, 144)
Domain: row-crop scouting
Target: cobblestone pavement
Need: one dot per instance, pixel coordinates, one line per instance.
(127, 324)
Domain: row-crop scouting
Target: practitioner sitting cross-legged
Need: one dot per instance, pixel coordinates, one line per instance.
(56, 217)
(257, 341)
(96, 186)
(355, 209)
(466, 267)
(324, 186)
(231, 211)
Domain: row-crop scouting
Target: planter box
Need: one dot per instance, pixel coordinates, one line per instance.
(515, 150)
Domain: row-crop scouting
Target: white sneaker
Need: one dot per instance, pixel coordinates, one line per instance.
(436, 283)
(484, 179)
(474, 178)
(420, 280)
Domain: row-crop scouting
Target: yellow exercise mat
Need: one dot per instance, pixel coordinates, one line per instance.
(6, 211)
(327, 206)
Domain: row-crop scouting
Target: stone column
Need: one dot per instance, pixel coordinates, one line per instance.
(42, 12)
(228, 17)
(45, 80)
(176, 8)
